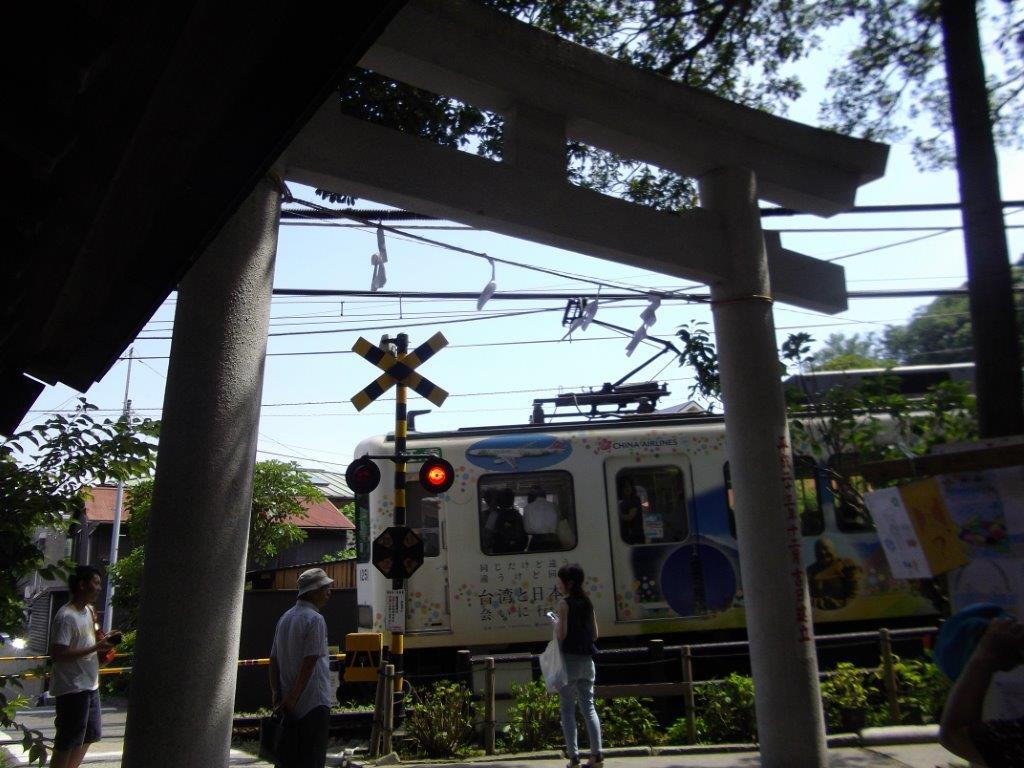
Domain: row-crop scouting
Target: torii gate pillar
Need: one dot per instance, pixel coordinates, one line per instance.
(790, 725)
(183, 682)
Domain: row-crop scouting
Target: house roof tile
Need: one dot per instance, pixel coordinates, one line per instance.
(99, 508)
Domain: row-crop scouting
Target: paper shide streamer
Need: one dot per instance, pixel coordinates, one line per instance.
(489, 289)
(378, 260)
(647, 318)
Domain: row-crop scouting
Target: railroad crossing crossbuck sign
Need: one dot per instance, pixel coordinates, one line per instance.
(397, 552)
(399, 370)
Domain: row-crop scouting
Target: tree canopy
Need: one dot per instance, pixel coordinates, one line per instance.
(895, 71)
(277, 494)
(939, 332)
(45, 473)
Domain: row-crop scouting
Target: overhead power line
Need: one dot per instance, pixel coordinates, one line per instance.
(372, 215)
(895, 293)
(910, 208)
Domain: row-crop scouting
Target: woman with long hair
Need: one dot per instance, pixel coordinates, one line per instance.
(577, 631)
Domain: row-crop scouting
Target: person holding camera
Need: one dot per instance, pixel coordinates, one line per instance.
(972, 646)
(75, 675)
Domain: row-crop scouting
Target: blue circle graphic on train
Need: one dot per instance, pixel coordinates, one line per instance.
(518, 453)
(698, 578)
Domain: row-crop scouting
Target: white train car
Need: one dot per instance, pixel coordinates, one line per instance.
(641, 503)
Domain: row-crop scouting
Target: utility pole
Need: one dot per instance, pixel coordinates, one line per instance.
(990, 285)
(115, 534)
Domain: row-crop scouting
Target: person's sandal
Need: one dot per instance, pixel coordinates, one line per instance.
(574, 762)
(595, 762)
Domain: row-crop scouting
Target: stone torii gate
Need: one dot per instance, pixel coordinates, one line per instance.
(548, 91)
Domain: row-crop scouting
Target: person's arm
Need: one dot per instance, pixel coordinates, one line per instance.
(60, 652)
(593, 623)
(999, 649)
(275, 683)
(60, 648)
(305, 672)
(563, 620)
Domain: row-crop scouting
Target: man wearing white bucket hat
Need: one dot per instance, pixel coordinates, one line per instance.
(300, 680)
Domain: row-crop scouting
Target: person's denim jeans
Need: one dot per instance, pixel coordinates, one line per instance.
(580, 671)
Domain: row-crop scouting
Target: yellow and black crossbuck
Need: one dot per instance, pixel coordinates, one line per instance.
(399, 370)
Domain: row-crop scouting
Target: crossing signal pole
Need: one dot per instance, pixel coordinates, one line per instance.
(398, 551)
(401, 433)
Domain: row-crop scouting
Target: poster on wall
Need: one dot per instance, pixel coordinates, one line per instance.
(988, 510)
(895, 531)
(918, 535)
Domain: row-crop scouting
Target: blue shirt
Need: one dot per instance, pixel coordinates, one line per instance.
(302, 632)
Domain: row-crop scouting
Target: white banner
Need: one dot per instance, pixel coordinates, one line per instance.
(394, 612)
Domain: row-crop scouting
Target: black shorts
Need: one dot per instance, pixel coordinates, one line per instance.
(78, 720)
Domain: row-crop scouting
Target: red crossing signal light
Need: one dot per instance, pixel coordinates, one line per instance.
(362, 475)
(436, 475)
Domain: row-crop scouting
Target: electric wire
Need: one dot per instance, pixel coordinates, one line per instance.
(469, 252)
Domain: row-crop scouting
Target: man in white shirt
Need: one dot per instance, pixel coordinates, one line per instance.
(300, 678)
(540, 519)
(75, 676)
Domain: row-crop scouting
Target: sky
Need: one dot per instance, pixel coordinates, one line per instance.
(495, 366)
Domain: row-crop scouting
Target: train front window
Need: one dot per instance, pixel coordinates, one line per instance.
(808, 501)
(651, 505)
(526, 512)
(423, 514)
(848, 486)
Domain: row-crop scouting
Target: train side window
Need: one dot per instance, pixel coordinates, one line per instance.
(423, 513)
(848, 487)
(526, 512)
(651, 505)
(362, 521)
(808, 501)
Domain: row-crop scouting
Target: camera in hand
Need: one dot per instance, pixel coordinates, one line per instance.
(114, 637)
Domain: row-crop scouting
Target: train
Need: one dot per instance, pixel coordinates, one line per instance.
(641, 502)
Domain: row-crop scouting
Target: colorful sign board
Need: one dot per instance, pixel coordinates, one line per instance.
(918, 535)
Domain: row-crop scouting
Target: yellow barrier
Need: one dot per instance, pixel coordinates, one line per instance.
(365, 649)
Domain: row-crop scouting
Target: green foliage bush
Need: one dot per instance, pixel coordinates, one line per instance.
(727, 710)
(626, 722)
(534, 720)
(441, 721)
(117, 685)
(845, 688)
(677, 732)
(45, 474)
(921, 690)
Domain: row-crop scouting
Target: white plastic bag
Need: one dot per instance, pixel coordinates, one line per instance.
(552, 665)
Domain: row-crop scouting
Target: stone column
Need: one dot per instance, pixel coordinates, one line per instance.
(183, 679)
(790, 725)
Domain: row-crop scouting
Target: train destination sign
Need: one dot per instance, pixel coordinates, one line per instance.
(398, 552)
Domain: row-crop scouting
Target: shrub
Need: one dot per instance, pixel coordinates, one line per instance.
(626, 722)
(117, 685)
(921, 690)
(441, 721)
(533, 719)
(727, 710)
(844, 689)
(677, 733)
